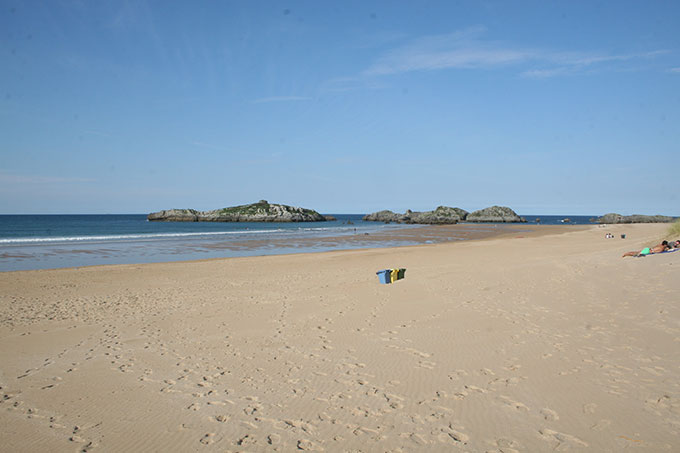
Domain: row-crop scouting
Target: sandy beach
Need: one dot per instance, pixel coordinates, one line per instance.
(538, 341)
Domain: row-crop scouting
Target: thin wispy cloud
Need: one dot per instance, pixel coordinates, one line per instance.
(281, 99)
(563, 63)
(462, 49)
(467, 49)
(587, 59)
(545, 73)
(674, 70)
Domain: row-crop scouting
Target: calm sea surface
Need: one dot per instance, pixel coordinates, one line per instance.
(54, 241)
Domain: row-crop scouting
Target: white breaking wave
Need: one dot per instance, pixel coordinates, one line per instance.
(119, 237)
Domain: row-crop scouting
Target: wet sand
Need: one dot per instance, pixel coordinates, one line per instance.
(534, 340)
(417, 235)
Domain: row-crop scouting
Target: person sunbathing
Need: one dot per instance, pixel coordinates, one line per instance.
(649, 251)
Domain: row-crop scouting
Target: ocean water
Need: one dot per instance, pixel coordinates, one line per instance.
(54, 241)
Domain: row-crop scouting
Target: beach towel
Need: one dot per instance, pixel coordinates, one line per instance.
(642, 254)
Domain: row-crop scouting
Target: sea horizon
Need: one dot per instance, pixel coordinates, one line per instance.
(321, 212)
(46, 241)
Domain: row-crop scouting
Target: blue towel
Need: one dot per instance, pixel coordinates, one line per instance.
(665, 251)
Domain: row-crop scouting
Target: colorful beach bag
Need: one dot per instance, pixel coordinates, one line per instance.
(386, 276)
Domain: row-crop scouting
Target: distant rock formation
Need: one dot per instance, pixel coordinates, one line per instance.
(496, 214)
(262, 211)
(385, 216)
(175, 215)
(635, 218)
(441, 215)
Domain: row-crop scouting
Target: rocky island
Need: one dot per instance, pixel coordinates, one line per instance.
(262, 211)
(635, 218)
(447, 215)
(441, 215)
(495, 214)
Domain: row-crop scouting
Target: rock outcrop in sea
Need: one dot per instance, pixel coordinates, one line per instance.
(635, 218)
(447, 215)
(441, 215)
(496, 214)
(262, 211)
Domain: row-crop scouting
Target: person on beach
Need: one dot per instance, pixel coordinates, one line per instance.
(649, 251)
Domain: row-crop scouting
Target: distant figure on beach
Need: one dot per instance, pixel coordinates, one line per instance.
(649, 251)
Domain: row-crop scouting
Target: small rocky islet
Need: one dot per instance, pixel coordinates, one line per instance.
(445, 215)
(262, 211)
(635, 218)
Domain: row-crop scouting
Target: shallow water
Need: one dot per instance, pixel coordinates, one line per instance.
(52, 241)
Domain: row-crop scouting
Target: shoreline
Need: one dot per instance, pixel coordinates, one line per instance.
(549, 337)
(409, 237)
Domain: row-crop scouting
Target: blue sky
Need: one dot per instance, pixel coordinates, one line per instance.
(548, 107)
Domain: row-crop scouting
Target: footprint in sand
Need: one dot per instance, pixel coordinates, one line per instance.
(589, 408)
(273, 439)
(513, 404)
(497, 383)
(207, 439)
(656, 371)
(427, 364)
(513, 367)
(601, 425)
(415, 438)
(246, 440)
(455, 376)
(424, 355)
(657, 405)
(474, 388)
(549, 414)
(508, 445)
(562, 441)
(306, 444)
(53, 423)
(485, 372)
(454, 434)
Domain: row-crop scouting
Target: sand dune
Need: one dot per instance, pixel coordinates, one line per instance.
(528, 342)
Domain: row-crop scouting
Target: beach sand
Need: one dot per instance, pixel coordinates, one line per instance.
(538, 341)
